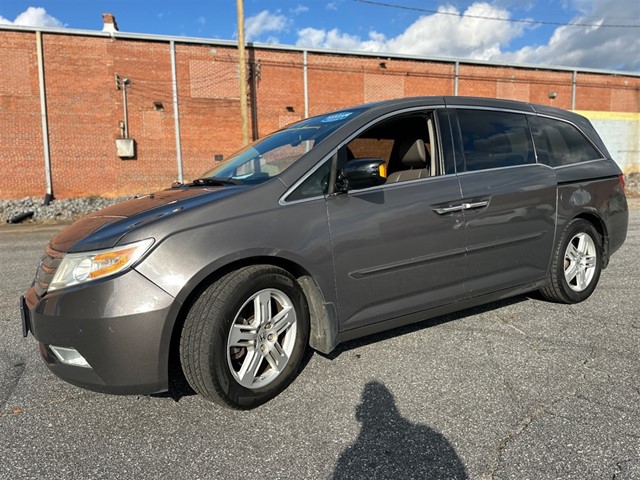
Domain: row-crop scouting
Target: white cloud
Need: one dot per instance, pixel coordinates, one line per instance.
(336, 40)
(264, 22)
(299, 9)
(452, 35)
(431, 35)
(33, 17)
(332, 6)
(467, 37)
(591, 47)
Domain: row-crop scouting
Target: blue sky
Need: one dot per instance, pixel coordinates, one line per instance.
(609, 39)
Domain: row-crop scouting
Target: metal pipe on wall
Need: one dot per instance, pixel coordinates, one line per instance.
(305, 77)
(456, 73)
(574, 80)
(176, 113)
(123, 84)
(45, 123)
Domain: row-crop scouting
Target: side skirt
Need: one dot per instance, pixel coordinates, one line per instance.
(435, 312)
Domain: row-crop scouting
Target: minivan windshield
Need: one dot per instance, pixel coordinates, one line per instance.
(273, 154)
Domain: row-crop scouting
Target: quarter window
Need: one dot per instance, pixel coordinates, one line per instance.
(560, 143)
(315, 185)
(494, 139)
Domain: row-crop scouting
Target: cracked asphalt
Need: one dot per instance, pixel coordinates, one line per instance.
(519, 389)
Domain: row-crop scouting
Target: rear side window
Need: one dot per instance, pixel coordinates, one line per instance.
(494, 139)
(560, 143)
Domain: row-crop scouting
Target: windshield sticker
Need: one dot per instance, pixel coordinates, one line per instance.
(337, 117)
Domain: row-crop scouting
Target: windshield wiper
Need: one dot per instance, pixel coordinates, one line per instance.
(214, 182)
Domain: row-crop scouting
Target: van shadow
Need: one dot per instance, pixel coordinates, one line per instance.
(420, 325)
(391, 447)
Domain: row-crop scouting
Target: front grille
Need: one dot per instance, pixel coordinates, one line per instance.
(47, 269)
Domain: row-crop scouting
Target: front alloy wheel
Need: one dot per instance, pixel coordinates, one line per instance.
(244, 337)
(262, 338)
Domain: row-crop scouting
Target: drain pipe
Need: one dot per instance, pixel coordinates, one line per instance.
(176, 114)
(574, 81)
(45, 124)
(456, 76)
(305, 84)
(305, 76)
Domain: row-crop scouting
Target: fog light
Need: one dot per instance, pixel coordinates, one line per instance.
(70, 356)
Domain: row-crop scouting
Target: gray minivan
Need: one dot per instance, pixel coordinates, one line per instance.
(335, 227)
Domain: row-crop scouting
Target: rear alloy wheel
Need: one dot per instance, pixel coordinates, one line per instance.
(580, 262)
(244, 338)
(576, 264)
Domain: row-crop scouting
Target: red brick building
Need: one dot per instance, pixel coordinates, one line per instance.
(69, 84)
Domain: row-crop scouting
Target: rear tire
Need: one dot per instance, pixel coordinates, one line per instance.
(244, 337)
(576, 264)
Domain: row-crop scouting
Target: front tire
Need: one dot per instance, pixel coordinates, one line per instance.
(245, 336)
(576, 264)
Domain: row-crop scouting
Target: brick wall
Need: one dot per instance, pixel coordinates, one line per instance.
(21, 151)
(85, 108)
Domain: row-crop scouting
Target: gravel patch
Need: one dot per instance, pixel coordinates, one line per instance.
(57, 211)
(632, 184)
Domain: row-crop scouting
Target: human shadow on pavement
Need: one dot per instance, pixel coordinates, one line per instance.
(391, 447)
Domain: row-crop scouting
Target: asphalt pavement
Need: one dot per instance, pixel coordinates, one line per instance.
(519, 389)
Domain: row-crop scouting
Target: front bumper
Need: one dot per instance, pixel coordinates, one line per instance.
(120, 326)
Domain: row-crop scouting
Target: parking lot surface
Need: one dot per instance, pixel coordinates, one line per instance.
(519, 389)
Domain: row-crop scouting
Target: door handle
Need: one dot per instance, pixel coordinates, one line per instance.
(443, 210)
(471, 206)
(461, 207)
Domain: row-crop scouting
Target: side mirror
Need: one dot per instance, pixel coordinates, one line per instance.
(361, 173)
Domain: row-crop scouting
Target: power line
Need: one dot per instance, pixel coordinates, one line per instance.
(498, 19)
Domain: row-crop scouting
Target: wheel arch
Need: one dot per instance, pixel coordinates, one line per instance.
(322, 316)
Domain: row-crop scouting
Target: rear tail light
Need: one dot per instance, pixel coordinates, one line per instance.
(621, 178)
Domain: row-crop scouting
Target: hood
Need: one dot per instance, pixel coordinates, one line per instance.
(104, 228)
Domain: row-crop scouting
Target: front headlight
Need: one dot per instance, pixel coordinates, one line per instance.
(77, 268)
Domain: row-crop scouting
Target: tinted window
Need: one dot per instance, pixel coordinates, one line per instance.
(560, 143)
(494, 139)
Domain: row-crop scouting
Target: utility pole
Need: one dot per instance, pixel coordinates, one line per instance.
(242, 74)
